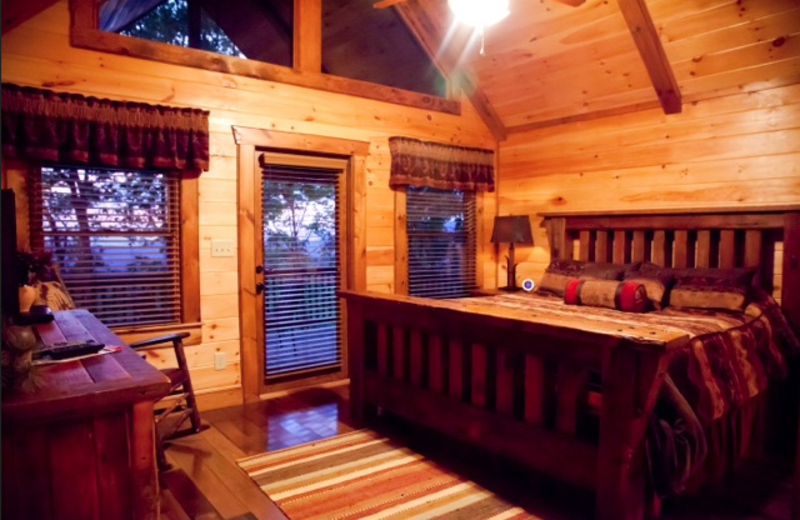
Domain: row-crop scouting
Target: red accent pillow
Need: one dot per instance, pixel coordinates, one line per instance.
(626, 296)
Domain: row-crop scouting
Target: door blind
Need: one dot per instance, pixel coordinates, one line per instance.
(116, 237)
(441, 242)
(301, 269)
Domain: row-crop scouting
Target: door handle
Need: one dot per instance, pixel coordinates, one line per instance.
(259, 269)
(259, 288)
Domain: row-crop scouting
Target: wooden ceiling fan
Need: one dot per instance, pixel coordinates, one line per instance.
(386, 3)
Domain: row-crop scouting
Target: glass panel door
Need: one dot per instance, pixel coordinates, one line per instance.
(301, 269)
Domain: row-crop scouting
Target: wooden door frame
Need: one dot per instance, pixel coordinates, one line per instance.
(249, 141)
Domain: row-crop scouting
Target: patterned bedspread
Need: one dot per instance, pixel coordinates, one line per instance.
(730, 357)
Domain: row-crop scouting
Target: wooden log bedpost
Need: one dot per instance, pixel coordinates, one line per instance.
(627, 404)
(355, 356)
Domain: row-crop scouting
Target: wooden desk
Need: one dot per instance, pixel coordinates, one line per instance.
(82, 445)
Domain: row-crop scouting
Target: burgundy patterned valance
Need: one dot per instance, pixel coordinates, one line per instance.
(422, 163)
(42, 124)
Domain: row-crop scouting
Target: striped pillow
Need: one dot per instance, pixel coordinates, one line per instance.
(624, 296)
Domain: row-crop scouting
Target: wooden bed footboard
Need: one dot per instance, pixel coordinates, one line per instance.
(513, 387)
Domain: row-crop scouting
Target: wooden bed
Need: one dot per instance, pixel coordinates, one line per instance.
(489, 376)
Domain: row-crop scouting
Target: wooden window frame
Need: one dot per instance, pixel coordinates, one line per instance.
(251, 141)
(16, 173)
(401, 241)
(85, 33)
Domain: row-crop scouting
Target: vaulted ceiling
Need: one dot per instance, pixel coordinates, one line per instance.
(549, 62)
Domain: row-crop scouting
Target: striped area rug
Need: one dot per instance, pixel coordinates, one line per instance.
(362, 475)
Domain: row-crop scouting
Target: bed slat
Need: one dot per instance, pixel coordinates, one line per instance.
(435, 363)
(639, 246)
(478, 394)
(727, 249)
(398, 349)
(454, 373)
(534, 389)
(505, 382)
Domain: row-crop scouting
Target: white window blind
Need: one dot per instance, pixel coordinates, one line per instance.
(441, 242)
(116, 237)
(301, 269)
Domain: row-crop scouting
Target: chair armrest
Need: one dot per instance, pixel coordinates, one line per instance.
(168, 338)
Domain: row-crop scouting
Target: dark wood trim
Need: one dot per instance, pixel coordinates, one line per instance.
(84, 34)
(655, 59)
(423, 28)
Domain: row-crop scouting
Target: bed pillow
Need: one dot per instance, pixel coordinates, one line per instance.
(605, 270)
(656, 280)
(706, 288)
(557, 274)
(628, 296)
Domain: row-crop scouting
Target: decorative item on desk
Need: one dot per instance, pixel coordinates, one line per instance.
(32, 266)
(514, 229)
(16, 358)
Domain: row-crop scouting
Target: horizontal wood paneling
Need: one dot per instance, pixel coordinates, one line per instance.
(548, 61)
(731, 151)
(37, 53)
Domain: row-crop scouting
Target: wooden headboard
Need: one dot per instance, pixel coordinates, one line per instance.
(767, 238)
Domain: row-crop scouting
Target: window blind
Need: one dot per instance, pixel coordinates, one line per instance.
(301, 269)
(441, 242)
(116, 237)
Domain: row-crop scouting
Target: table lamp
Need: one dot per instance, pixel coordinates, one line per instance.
(514, 229)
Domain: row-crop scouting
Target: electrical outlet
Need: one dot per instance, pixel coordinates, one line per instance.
(219, 361)
(220, 248)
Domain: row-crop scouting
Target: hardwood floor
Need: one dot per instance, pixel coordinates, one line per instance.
(206, 484)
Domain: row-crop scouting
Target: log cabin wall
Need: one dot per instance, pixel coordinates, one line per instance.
(37, 53)
(728, 151)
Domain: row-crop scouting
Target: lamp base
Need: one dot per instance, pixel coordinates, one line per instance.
(509, 289)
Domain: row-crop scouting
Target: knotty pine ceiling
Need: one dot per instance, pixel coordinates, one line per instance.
(549, 63)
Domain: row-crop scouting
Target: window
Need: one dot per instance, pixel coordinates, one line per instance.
(375, 45)
(116, 235)
(441, 242)
(169, 22)
(384, 62)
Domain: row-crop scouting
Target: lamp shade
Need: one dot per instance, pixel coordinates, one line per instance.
(514, 229)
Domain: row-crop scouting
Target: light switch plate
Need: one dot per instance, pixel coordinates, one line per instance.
(221, 248)
(219, 361)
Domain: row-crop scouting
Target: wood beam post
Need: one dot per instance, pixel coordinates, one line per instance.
(655, 59)
(308, 35)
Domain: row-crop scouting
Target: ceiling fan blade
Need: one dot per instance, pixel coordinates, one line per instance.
(573, 3)
(386, 3)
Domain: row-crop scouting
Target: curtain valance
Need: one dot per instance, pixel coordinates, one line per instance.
(447, 167)
(42, 124)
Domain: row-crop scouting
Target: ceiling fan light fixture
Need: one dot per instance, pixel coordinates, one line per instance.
(479, 13)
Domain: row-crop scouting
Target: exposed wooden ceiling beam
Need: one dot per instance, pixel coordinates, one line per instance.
(655, 59)
(420, 24)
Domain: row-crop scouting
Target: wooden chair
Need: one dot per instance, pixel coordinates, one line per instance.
(180, 402)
